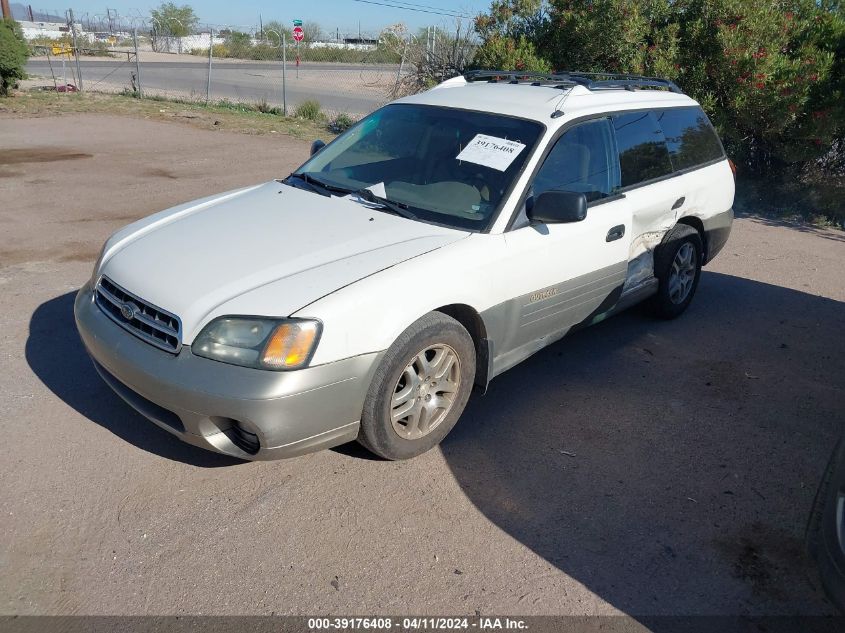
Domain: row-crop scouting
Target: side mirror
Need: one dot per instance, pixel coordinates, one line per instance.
(558, 207)
(316, 146)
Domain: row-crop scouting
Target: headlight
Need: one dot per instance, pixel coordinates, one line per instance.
(258, 342)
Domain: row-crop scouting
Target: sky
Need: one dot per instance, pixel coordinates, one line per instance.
(330, 14)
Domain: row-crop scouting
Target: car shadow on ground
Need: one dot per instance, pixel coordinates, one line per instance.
(55, 353)
(668, 466)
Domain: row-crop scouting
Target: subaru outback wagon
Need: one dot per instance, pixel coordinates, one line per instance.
(435, 244)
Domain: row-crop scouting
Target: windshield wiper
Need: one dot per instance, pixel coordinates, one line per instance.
(318, 186)
(398, 208)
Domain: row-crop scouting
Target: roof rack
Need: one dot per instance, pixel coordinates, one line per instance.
(567, 79)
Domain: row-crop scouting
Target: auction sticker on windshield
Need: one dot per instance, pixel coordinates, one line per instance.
(490, 151)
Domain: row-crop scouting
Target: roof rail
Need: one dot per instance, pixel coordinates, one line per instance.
(569, 79)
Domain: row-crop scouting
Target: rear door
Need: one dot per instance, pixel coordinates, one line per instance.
(562, 274)
(650, 188)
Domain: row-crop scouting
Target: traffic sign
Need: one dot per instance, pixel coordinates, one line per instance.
(297, 22)
(62, 49)
(298, 33)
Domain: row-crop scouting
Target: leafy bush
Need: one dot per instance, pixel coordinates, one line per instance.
(270, 50)
(503, 53)
(310, 110)
(341, 123)
(13, 55)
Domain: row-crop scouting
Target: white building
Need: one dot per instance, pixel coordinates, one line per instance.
(49, 30)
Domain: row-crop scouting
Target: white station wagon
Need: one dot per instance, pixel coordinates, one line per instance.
(437, 243)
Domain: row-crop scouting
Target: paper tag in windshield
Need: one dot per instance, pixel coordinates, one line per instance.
(378, 189)
(491, 151)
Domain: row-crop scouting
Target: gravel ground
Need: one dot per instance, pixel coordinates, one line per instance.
(637, 467)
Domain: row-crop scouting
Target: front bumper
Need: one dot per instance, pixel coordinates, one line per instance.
(215, 406)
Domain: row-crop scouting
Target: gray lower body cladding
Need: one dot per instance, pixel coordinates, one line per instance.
(524, 325)
(216, 406)
(717, 229)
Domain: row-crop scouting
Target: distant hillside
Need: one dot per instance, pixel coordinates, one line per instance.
(21, 12)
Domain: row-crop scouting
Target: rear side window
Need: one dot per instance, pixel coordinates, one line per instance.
(689, 136)
(582, 161)
(642, 149)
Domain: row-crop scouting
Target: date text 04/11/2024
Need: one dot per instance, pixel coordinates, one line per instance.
(417, 623)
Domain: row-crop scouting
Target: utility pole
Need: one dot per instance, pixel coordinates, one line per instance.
(7, 11)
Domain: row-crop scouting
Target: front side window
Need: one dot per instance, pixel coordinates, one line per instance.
(444, 165)
(689, 136)
(642, 149)
(583, 161)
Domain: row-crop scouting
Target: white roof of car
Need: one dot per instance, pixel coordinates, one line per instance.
(538, 102)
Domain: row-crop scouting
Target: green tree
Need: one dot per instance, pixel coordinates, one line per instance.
(767, 74)
(510, 34)
(173, 20)
(239, 44)
(312, 32)
(273, 31)
(13, 54)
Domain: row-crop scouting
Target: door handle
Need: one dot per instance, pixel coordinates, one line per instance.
(615, 233)
(679, 203)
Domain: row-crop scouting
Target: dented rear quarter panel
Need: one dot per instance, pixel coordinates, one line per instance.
(708, 194)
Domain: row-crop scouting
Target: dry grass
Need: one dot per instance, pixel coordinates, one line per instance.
(233, 117)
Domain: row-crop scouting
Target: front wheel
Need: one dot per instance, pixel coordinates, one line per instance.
(420, 389)
(677, 266)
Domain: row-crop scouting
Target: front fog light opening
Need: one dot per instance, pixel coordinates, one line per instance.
(241, 437)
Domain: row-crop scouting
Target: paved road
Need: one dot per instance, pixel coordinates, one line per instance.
(639, 466)
(338, 87)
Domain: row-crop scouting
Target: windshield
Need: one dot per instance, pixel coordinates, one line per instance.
(448, 166)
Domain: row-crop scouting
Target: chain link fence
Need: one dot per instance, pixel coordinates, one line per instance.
(261, 67)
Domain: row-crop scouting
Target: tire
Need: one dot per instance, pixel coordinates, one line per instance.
(429, 397)
(677, 274)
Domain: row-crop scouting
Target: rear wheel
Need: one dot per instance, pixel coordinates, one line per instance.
(677, 266)
(420, 390)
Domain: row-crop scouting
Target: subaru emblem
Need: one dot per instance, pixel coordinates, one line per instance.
(127, 310)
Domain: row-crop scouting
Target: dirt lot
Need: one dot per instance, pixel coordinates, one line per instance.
(640, 467)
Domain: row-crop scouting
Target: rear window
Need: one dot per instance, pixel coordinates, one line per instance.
(642, 148)
(690, 138)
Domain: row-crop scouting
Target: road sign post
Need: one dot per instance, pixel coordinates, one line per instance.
(298, 36)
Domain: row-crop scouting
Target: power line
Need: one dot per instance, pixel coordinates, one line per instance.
(426, 6)
(432, 10)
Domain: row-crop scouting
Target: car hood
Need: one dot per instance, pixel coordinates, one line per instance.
(265, 250)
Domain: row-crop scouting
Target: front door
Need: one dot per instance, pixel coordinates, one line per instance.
(565, 273)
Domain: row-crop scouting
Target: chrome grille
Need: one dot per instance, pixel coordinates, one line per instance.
(146, 321)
